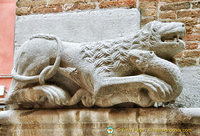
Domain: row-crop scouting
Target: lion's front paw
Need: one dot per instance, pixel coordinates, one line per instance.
(158, 90)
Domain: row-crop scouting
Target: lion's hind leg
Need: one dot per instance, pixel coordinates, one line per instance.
(41, 96)
(47, 96)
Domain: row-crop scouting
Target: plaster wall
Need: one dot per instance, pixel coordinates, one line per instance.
(83, 26)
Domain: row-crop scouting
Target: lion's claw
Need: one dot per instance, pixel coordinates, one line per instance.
(158, 89)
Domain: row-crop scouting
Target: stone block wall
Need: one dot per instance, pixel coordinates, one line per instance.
(25, 7)
(186, 11)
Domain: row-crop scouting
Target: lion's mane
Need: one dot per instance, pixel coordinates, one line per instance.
(109, 56)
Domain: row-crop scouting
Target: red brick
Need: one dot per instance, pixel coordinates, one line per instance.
(150, 5)
(47, 9)
(169, 1)
(149, 1)
(192, 37)
(196, 29)
(187, 21)
(196, 4)
(189, 13)
(148, 12)
(186, 62)
(146, 20)
(189, 29)
(37, 3)
(168, 15)
(192, 53)
(31, 3)
(24, 3)
(79, 6)
(87, 6)
(56, 2)
(117, 4)
(175, 6)
(95, 0)
(74, 1)
(179, 55)
(191, 46)
(23, 11)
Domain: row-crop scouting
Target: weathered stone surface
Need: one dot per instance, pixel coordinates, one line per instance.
(191, 92)
(88, 26)
(51, 73)
(94, 122)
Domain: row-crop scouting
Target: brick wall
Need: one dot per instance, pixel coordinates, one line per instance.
(25, 7)
(186, 11)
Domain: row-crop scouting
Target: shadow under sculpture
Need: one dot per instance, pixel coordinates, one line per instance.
(49, 73)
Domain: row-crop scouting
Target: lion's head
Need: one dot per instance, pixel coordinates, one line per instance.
(165, 39)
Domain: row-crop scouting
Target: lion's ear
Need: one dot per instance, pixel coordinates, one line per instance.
(142, 66)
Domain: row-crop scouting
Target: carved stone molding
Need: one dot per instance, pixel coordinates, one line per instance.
(94, 122)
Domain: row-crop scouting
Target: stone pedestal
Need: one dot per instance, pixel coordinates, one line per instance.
(94, 122)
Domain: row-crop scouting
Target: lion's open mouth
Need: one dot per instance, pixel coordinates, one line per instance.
(172, 32)
(175, 37)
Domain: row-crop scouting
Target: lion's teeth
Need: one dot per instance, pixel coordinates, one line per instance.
(176, 39)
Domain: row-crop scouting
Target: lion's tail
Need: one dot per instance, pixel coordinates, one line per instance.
(48, 71)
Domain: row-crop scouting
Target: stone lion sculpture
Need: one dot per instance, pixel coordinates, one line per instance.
(49, 73)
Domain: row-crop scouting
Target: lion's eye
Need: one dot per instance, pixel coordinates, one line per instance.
(154, 29)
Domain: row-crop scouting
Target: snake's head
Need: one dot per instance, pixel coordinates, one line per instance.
(141, 59)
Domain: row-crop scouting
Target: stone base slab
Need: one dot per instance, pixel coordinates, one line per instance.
(94, 122)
